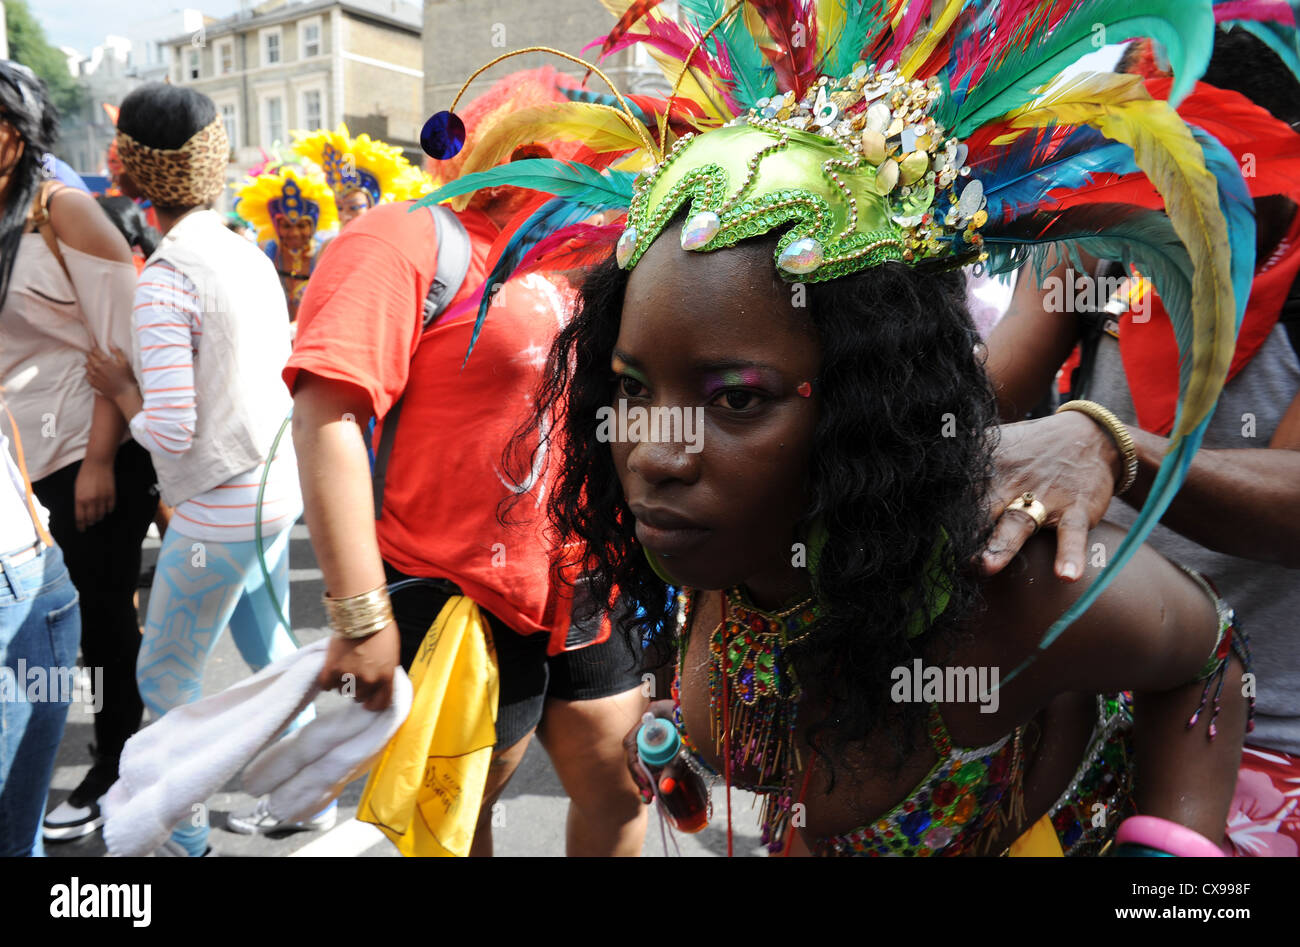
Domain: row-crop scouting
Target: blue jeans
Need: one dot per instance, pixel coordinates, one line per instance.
(40, 626)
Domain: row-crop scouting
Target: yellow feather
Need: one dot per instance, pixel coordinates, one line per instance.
(599, 127)
(708, 101)
(757, 27)
(914, 58)
(831, 17)
(1163, 147)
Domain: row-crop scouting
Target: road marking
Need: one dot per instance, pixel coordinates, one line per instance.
(306, 575)
(346, 840)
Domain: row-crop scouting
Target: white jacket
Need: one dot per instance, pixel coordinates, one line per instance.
(240, 397)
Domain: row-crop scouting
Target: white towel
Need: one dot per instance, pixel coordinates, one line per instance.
(170, 768)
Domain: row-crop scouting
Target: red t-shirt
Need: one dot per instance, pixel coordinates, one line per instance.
(360, 322)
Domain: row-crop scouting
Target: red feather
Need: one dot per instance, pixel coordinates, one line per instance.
(572, 248)
(629, 19)
(794, 30)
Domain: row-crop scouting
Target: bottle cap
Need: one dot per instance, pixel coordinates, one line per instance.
(657, 742)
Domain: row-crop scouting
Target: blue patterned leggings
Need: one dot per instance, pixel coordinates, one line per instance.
(200, 587)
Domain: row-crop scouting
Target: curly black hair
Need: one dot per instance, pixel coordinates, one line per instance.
(901, 459)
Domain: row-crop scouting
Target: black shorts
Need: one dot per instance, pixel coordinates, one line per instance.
(526, 674)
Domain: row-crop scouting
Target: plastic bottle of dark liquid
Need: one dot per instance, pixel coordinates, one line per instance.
(683, 797)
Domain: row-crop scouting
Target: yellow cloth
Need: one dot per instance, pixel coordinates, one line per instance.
(425, 791)
(1038, 841)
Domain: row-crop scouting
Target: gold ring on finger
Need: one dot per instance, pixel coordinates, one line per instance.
(1026, 503)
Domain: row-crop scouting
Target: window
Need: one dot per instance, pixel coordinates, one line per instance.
(192, 67)
(274, 120)
(225, 58)
(270, 47)
(230, 118)
(311, 110)
(309, 37)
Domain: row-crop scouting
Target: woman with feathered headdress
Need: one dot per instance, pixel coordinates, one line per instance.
(290, 207)
(784, 277)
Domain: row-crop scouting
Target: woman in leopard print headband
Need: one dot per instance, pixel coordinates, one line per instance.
(176, 179)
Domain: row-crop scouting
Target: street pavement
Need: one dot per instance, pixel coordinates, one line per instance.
(530, 821)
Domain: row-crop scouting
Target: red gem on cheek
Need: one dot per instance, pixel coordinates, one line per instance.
(804, 389)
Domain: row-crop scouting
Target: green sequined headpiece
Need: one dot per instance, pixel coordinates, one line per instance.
(858, 167)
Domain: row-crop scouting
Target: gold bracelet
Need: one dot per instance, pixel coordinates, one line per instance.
(1118, 433)
(359, 616)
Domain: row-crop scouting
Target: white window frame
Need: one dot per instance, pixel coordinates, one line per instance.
(232, 126)
(264, 117)
(319, 89)
(221, 46)
(193, 64)
(302, 37)
(263, 37)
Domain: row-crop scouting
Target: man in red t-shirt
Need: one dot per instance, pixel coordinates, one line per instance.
(360, 347)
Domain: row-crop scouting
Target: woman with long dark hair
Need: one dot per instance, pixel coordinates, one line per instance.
(65, 286)
(772, 399)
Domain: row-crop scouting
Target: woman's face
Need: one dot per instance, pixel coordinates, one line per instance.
(354, 205)
(721, 337)
(294, 235)
(11, 150)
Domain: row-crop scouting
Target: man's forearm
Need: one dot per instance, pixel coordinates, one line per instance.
(1243, 502)
(337, 501)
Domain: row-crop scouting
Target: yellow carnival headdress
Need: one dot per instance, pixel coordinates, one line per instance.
(361, 163)
(286, 192)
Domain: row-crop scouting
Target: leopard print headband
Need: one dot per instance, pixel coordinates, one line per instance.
(192, 174)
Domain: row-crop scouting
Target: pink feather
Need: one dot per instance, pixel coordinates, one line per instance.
(1267, 10)
(916, 12)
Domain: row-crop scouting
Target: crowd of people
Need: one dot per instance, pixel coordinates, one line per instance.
(416, 362)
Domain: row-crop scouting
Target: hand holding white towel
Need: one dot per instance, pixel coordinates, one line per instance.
(172, 766)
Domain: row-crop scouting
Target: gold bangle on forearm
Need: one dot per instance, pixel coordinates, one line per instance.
(359, 616)
(1118, 432)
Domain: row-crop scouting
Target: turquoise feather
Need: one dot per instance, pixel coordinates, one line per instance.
(753, 78)
(1184, 27)
(549, 175)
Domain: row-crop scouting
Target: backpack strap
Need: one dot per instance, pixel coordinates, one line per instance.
(453, 265)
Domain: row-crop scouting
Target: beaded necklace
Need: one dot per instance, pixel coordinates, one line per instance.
(754, 696)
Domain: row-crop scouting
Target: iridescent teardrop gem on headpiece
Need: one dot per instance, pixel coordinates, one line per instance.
(625, 247)
(699, 229)
(802, 256)
(443, 135)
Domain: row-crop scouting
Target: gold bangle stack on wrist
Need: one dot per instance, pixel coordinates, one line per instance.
(359, 616)
(1118, 432)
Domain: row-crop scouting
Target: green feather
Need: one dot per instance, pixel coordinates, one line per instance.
(754, 79)
(1184, 27)
(549, 175)
(863, 20)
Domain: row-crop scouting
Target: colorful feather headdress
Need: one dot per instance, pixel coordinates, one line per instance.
(935, 132)
(361, 163)
(286, 192)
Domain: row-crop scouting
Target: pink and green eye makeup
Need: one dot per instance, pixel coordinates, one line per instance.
(715, 382)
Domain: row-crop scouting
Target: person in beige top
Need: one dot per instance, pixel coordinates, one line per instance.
(66, 285)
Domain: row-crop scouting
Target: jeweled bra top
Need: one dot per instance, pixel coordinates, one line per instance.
(950, 812)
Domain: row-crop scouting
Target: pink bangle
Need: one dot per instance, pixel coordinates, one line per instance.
(1167, 837)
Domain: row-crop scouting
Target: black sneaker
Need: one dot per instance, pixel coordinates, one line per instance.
(79, 815)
